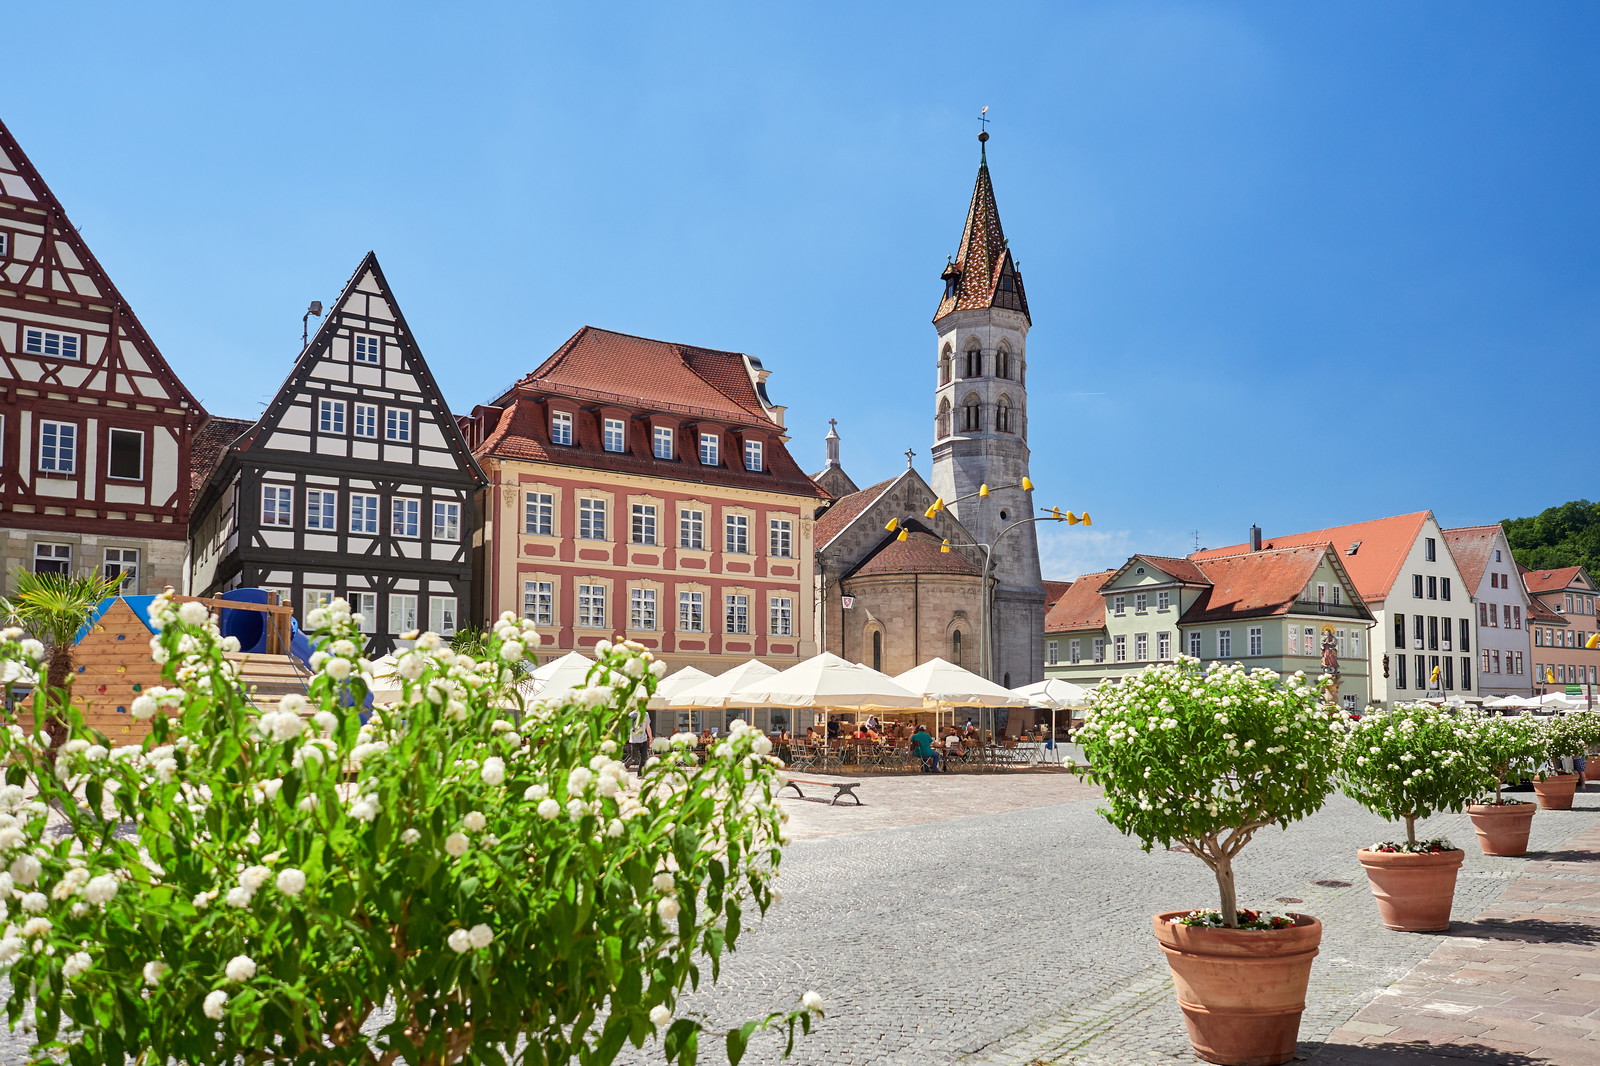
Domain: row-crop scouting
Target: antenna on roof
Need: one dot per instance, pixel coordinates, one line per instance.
(1197, 540)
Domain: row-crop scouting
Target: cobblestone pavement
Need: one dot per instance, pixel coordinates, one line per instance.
(1022, 936)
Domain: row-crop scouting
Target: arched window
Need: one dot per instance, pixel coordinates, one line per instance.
(1002, 415)
(946, 357)
(955, 647)
(1002, 363)
(971, 415)
(877, 651)
(974, 367)
(943, 427)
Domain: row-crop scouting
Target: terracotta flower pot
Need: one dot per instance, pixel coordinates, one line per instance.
(1555, 792)
(1242, 991)
(1591, 767)
(1414, 891)
(1502, 828)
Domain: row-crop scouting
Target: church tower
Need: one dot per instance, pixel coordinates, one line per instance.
(981, 425)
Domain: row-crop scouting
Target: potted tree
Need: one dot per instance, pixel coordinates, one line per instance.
(1566, 737)
(1206, 757)
(1504, 746)
(1407, 763)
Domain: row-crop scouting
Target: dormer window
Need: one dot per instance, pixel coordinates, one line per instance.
(754, 459)
(661, 442)
(1005, 282)
(614, 435)
(710, 449)
(560, 427)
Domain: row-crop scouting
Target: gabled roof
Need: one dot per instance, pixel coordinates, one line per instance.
(209, 446)
(1181, 570)
(1540, 612)
(1472, 547)
(1053, 591)
(1258, 584)
(983, 259)
(1081, 606)
(597, 364)
(847, 509)
(21, 184)
(919, 553)
(1539, 581)
(1375, 564)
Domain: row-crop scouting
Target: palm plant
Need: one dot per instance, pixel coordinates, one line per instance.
(52, 608)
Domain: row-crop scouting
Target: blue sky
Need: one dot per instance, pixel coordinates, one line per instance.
(1290, 264)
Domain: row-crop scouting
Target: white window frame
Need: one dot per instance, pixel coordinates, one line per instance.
(315, 600)
(1119, 648)
(780, 616)
(1164, 645)
(52, 344)
(277, 506)
(539, 602)
(692, 529)
(591, 607)
(1255, 640)
(405, 518)
(126, 562)
(780, 538)
(736, 614)
(754, 456)
(111, 453)
(1119, 605)
(366, 349)
(322, 510)
(614, 435)
(691, 612)
(710, 449)
(365, 513)
(642, 609)
(443, 614)
(402, 612)
(644, 526)
(397, 424)
(1098, 648)
(364, 420)
(1141, 602)
(1224, 643)
(446, 520)
(62, 439)
(1195, 644)
(538, 514)
(52, 553)
(561, 428)
(1052, 652)
(661, 442)
(1141, 647)
(1164, 599)
(365, 604)
(591, 518)
(1075, 650)
(736, 534)
(331, 416)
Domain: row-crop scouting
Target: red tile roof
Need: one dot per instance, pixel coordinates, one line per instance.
(209, 446)
(1550, 580)
(1539, 611)
(1384, 542)
(983, 258)
(847, 509)
(1472, 547)
(1256, 584)
(919, 553)
(1179, 569)
(597, 364)
(1081, 607)
(1053, 591)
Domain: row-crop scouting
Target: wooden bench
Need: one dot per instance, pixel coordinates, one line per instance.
(841, 789)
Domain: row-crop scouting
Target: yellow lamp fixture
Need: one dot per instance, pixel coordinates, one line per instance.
(1055, 513)
(1593, 641)
(945, 547)
(904, 533)
(1549, 676)
(892, 525)
(1085, 519)
(1027, 484)
(983, 490)
(934, 508)
(1072, 519)
(1434, 677)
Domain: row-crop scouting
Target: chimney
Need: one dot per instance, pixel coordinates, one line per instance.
(832, 440)
(1255, 538)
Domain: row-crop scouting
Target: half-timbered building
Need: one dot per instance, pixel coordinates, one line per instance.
(94, 426)
(356, 480)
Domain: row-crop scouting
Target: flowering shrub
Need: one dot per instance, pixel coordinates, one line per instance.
(1411, 762)
(434, 884)
(1248, 919)
(1567, 736)
(1507, 745)
(1420, 847)
(1206, 756)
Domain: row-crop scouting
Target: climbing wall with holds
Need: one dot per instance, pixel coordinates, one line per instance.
(113, 666)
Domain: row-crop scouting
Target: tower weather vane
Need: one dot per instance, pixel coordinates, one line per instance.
(983, 119)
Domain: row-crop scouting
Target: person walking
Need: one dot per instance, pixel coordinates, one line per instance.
(638, 749)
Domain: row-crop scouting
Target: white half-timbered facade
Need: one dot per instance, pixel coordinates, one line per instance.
(95, 428)
(355, 481)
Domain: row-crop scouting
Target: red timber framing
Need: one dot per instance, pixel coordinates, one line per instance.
(95, 427)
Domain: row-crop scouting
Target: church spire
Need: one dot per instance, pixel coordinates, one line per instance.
(983, 274)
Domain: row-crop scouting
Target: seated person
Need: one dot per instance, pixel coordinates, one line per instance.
(952, 744)
(922, 748)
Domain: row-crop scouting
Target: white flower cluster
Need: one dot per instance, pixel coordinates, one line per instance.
(478, 937)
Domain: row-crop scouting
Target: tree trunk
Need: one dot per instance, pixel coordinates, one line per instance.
(1411, 829)
(58, 678)
(1230, 903)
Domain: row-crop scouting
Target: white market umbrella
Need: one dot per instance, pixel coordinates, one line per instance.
(382, 681)
(1556, 701)
(1055, 694)
(717, 692)
(673, 684)
(827, 682)
(1502, 702)
(556, 678)
(946, 685)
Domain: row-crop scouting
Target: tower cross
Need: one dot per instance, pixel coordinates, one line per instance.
(983, 119)
(910, 457)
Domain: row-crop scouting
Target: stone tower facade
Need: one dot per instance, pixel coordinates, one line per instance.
(981, 427)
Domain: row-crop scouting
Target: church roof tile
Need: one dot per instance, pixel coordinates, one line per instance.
(919, 553)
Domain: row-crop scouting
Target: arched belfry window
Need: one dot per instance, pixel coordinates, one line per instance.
(974, 367)
(946, 357)
(955, 648)
(943, 427)
(877, 651)
(971, 415)
(1002, 415)
(1002, 363)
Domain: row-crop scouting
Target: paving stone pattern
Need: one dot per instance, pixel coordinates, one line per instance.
(1023, 936)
